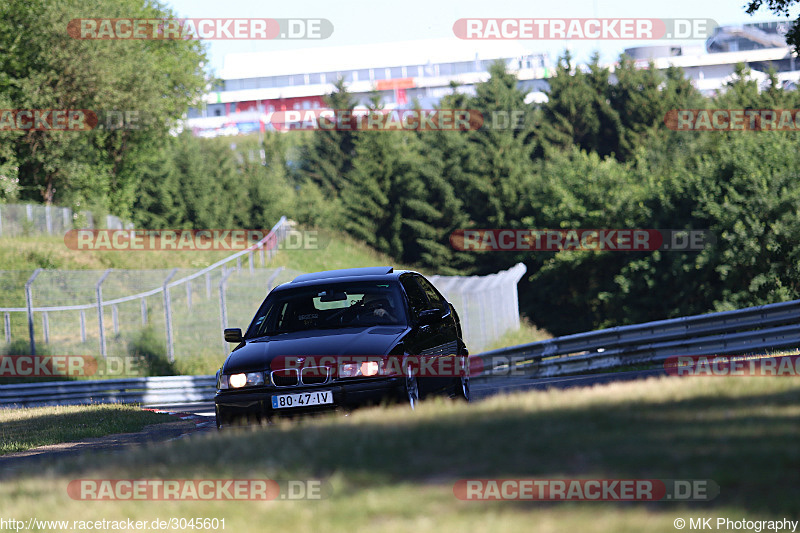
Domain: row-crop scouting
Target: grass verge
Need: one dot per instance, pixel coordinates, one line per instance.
(526, 334)
(23, 429)
(390, 469)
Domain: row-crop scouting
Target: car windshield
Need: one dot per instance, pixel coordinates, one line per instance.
(330, 306)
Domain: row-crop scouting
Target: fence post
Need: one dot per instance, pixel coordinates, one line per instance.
(7, 324)
(48, 219)
(223, 309)
(83, 325)
(189, 294)
(144, 311)
(115, 318)
(46, 327)
(168, 317)
(272, 278)
(29, 304)
(99, 293)
(208, 284)
(1, 221)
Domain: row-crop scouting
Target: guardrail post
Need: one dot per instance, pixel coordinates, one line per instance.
(168, 317)
(223, 306)
(29, 304)
(99, 292)
(83, 325)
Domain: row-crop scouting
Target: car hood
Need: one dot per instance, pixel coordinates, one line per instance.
(256, 354)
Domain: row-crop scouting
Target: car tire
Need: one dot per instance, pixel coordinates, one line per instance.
(460, 389)
(412, 391)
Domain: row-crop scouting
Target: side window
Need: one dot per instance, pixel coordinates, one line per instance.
(436, 301)
(416, 296)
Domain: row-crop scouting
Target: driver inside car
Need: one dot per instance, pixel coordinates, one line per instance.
(379, 306)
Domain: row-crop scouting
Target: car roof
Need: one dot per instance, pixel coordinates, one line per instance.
(344, 275)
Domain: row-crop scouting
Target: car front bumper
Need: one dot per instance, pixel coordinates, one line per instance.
(232, 404)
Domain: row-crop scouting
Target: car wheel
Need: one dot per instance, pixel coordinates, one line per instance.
(412, 390)
(460, 389)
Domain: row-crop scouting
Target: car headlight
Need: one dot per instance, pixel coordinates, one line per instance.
(255, 379)
(366, 369)
(250, 379)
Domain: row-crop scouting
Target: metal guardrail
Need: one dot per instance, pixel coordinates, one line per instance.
(744, 331)
(161, 390)
(750, 330)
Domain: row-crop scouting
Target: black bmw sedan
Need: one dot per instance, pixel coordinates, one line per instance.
(342, 339)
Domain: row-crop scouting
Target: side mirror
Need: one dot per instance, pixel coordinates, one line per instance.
(233, 335)
(430, 316)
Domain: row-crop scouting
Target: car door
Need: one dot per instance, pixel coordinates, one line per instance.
(430, 340)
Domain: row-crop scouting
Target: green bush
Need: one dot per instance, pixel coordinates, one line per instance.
(149, 348)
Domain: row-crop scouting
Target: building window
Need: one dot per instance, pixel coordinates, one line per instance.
(463, 67)
(395, 73)
(362, 75)
(379, 74)
(314, 79)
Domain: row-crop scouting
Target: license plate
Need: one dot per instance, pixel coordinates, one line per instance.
(302, 399)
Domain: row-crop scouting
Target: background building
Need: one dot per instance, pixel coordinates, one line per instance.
(259, 83)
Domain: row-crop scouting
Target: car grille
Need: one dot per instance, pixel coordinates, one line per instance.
(284, 378)
(315, 375)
